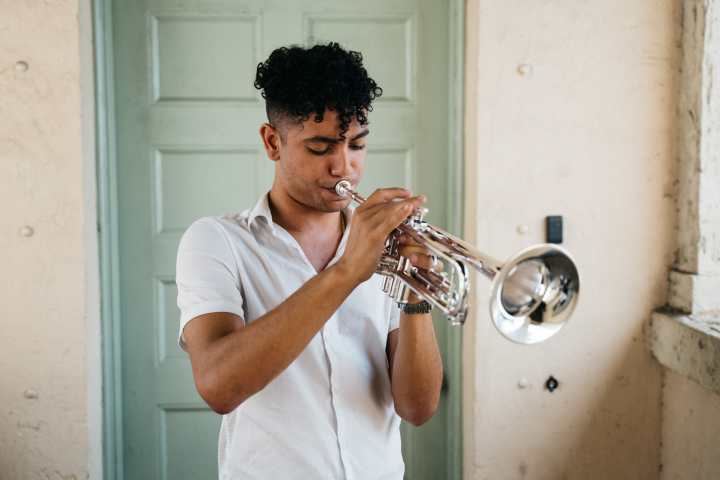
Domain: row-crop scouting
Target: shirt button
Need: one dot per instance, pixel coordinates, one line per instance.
(336, 391)
(327, 337)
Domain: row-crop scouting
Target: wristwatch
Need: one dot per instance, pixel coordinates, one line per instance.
(411, 309)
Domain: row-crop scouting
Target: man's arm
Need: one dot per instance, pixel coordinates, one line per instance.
(414, 361)
(230, 364)
(416, 369)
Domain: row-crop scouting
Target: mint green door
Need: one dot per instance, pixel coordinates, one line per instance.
(187, 119)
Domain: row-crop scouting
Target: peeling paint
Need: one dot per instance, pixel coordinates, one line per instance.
(690, 345)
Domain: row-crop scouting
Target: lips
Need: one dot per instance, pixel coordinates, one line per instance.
(332, 189)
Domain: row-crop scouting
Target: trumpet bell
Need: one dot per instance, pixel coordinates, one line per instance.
(534, 293)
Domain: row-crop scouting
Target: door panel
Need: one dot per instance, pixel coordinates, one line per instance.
(185, 431)
(188, 146)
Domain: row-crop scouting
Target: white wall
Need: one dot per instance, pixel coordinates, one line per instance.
(590, 134)
(44, 294)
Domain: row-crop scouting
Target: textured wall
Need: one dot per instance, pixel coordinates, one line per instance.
(690, 344)
(699, 147)
(690, 433)
(43, 294)
(587, 132)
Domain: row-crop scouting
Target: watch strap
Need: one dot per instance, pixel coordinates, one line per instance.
(415, 308)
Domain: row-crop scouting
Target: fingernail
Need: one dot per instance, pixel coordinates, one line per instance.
(407, 207)
(413, 258)
(403, 238)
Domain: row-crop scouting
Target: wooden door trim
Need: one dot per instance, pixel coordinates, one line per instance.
(109, 241)
(454, 441)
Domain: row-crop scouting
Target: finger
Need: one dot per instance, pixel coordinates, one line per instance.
(390, 210)
(407, 250)
(383, 195)
(409, 205)
(408, 240)
(403, 209)
(427, 262)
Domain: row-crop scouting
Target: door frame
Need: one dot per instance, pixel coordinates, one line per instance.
(108, 238)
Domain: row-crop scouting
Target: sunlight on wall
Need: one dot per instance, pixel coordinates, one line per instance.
(575, 116)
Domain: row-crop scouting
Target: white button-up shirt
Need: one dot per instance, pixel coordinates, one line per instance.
(330, 414)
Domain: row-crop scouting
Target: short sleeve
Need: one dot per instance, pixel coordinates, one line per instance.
(207, 274)
(394, 317)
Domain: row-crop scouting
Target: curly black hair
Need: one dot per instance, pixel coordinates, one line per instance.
(296, 81)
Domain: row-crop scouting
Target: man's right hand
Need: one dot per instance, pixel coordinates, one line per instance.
(371, 223)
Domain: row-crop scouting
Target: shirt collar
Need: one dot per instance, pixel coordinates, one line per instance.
(262, 209)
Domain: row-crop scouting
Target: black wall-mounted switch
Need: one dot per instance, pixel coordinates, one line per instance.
(554, 229)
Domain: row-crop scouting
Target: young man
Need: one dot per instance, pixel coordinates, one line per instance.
(289, 334)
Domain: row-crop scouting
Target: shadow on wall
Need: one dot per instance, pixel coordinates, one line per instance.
(609, 444)
(601, 423)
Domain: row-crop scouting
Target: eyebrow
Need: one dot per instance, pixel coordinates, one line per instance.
(318, 138)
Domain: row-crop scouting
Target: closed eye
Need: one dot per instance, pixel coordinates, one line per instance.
(315, 152)
(357, 147)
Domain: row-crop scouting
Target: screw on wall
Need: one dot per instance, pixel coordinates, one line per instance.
(525, 69)
(552, 384)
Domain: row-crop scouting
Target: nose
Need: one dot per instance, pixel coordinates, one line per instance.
(341, 163)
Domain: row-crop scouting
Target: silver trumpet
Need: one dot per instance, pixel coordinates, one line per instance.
(532, 295)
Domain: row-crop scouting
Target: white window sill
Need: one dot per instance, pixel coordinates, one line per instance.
(688, 344)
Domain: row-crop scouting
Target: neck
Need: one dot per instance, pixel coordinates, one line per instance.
(298, 218)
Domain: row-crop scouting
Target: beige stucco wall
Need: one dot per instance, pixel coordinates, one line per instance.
(589, 134)
(690, 431)
(44, 288)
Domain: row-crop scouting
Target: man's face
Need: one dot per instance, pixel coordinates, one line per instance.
(314, 158)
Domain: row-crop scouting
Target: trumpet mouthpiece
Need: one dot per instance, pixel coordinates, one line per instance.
(342, 188)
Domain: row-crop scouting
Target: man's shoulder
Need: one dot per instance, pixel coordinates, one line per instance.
(227, 226)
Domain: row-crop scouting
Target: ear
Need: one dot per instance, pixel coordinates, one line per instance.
(271, 141)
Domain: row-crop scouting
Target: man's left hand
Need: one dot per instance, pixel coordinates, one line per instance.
(420, 257)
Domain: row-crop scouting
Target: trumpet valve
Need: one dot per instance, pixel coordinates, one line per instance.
(403, 295)
(394, 286)
(423, 211)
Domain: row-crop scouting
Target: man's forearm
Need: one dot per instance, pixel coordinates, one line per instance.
(238, 363)
(416, 369)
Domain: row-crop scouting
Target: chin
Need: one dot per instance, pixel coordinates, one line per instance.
(331, 207)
